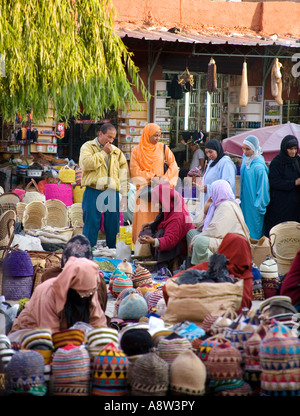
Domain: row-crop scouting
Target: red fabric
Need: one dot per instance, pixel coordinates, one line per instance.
(291, 283)
(238, 251)
(177, 221)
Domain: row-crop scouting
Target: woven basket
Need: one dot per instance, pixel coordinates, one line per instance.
(66, 174)
(20, 207)
(285, 243)
(9, 198)
(34, 195)
(7, 226)
(43, 261)
(76, 215)
(57, 213)
(15, 288)
(35, 215)
(78, 192)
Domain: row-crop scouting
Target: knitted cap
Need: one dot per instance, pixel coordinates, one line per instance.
(6, 352)
(136, 341)
(188, 374)
(120, 283)
(71, 371)
(116, 273)
(224, 362)
(125, 267)
(110, 372)
(171, 346)
(132, 306)
(141, 276)
(269, 269)
(148, 376)
(24, 373)
(153, 298)
(122, 295)
(67, 336)
(98, 338)
(37, 338)
(159, 335)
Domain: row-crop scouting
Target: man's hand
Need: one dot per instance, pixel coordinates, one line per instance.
(107, 148)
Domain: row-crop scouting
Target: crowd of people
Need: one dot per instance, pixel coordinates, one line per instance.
(75, 294)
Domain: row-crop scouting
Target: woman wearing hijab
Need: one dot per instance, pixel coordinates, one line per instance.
(284, 178)
(237, 250)
(255, 189)
(220, 166)
(167, 233)
(58, 303)
(146, 168)
(221, 215)
(78, 246)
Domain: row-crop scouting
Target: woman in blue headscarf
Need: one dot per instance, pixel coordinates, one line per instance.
(255, 189)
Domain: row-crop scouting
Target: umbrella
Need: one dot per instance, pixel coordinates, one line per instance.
(269, 139)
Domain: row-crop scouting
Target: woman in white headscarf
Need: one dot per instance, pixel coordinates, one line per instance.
(255, 189)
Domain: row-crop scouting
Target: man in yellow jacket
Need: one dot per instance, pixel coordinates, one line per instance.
(105, 176)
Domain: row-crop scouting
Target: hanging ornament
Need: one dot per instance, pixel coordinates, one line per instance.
(244, 87)
(211, 76)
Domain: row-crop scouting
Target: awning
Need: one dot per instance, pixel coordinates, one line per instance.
(234, 38)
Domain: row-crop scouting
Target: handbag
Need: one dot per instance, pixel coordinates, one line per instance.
(166, 166)
(30, 196)
(66, 174)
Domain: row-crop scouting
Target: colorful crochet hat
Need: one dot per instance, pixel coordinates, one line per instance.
(257, 289)
(122, 295)
(280, 362)
(98, 338)
(132, 306)
(40, 340)
(171, 346)
(141, 276)
(120, 282)
(188, 375)
(159, 335)
(149, 376)
(24, 374)
(17, 264)
(71, 371)
(136, 341)
(110, 372)
(67, 336)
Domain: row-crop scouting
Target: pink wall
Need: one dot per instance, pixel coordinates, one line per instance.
(271, 17)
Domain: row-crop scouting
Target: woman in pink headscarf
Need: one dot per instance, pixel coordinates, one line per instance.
(221, 215)
(167, 233)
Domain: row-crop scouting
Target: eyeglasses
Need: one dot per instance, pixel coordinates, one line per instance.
(88, 294)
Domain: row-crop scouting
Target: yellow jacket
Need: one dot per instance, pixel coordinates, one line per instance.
(92, 161)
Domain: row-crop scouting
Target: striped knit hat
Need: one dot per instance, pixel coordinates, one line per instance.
(153, 298)
(24, 374)
(149, 376)
(6, 352)
(159, 335)
(116, 273)
(40, 340)
(98, 338)
(171, 346)
(67, 336)
(109, 372)
(120, 283)
(71, 371)
(141, 276)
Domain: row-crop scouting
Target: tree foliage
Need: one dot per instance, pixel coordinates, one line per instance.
(66, 51)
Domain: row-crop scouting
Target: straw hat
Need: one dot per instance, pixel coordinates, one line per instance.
(20, 207)
(35, 215)
(7, 225)
(57, 213)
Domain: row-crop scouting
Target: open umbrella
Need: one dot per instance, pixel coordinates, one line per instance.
(269, 138)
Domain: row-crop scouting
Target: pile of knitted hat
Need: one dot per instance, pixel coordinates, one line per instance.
(280, 362)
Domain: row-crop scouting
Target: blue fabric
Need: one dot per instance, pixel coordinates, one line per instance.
(224, 169)
(115, 262)
(92, 207)
(255, 195)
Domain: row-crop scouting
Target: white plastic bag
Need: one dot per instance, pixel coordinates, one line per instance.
(123, 251)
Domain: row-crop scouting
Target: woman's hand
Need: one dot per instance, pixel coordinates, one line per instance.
(146, 239)
(146, 225)
(207, 205)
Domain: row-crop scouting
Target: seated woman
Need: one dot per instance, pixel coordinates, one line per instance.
(238, 252)
(58, 303)
(291, 282)
(221, 215)
(167, 233)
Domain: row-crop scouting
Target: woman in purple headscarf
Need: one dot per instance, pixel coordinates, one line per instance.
(221, 215)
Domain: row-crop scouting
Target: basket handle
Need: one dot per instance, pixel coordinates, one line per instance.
(272, 244)
(32, 182)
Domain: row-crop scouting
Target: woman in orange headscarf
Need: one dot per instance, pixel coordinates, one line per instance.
(147, 168)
